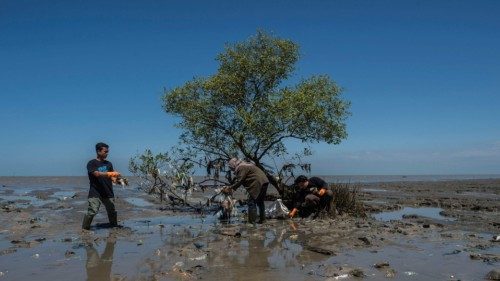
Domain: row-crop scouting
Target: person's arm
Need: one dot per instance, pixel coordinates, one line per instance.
(92, 169)
(322, 187)
(238, 180)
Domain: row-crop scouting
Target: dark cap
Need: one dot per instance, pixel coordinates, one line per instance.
(300, 179)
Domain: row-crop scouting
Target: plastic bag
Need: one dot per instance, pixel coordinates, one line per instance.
(277, 210)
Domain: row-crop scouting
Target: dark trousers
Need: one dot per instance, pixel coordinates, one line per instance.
(253, 203)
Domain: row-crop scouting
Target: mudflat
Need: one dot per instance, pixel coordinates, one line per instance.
(414, 230)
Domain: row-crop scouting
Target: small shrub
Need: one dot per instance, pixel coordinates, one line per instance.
(345, 200)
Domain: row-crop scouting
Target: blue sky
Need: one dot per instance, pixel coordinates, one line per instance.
(422, 76)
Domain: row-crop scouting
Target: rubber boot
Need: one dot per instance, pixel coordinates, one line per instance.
(252, 215)
(87, 220)
(113, 219)
(262, 213)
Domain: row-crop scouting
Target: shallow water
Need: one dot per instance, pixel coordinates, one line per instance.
(139, 202)
(433, 213)
(150, 244)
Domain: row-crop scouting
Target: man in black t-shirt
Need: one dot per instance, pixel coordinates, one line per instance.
(313, 195)
(101, 176)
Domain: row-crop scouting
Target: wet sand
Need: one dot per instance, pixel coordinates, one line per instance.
(434, 230)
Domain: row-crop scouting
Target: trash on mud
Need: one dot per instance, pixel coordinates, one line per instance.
(410, 273)
(36, 256)
(341, 276)
(200, 258)
(495, 238)
(277, 210)
(140, 242)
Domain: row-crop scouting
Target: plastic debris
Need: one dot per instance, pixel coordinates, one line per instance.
(200, 258)
(36, 256)
(277, 210)
(410, 273)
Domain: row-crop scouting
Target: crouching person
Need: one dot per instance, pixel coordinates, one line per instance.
(255, 182)
(313, 195)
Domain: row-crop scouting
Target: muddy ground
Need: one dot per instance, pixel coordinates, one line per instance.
(435, 230)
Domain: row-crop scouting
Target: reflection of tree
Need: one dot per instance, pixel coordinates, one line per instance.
(99, 268)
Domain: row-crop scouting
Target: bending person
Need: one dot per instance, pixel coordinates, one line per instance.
(255, 182)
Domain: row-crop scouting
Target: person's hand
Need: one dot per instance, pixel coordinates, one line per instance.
(227, 190)
(292, 213)
(113, 174)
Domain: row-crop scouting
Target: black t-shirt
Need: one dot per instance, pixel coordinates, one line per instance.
(100, 186)
(315, 183)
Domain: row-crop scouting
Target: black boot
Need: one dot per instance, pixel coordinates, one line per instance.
(87, 220)
(252, 215)
(262, 213)
(113, 219)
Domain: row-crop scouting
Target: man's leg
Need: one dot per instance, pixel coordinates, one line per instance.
(326, 201)
(261, 205)
(312, 203)
(252, 210)
(92, 209)
(110, 209)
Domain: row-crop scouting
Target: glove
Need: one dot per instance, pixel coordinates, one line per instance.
(293, 213)
(113, 174)
(322, 192)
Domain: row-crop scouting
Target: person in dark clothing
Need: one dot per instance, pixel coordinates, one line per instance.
(101, 177)
(313, 195)
(255, 181)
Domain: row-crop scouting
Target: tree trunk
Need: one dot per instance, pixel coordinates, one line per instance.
(272, 179)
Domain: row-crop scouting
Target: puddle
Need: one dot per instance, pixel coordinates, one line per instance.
(417, 260)
(139, 202)
(432, 213)
(26, 201)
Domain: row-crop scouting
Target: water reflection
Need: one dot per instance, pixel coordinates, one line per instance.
(99, 267)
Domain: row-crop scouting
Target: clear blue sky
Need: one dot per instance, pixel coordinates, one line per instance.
(423, 78)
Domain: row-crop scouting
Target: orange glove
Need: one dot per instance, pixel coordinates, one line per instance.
(293, 213)
(113, 174)
(322, 191)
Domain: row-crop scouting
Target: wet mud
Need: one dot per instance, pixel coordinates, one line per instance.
(435, 230)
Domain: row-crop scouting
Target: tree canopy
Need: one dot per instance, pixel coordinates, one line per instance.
(247, 109)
